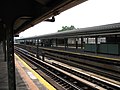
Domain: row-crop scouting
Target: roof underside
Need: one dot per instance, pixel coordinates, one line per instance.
(22, 14)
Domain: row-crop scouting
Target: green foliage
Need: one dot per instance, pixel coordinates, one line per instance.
(66, 28)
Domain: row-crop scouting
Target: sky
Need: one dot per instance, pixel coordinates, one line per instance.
(88, 14)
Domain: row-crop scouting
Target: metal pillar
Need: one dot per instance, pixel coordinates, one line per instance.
(51, 43)
(65, 43)
(82, 43)
(3, 28)
(4, 49)
(24, 42)
(76, 43)
(37, 55)
(43, 56)
(10, 59)
(56, 42)
(87, 40)
(96, 44)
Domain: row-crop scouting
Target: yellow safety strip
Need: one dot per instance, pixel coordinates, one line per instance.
(42, 80)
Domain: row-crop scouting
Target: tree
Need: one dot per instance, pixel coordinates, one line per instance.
(65, 28)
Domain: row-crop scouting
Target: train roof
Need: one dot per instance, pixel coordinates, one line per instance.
(102, 30)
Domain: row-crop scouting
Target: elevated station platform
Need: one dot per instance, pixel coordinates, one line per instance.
(87, 53)
(26, 77)
(3, 71)
(20, 84)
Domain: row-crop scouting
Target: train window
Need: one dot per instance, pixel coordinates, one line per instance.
(54, 42)
(79, 40)
(39, 40)
(33, 41)
(71, 40)
(91, 40)
(85, 40)
(101, 40)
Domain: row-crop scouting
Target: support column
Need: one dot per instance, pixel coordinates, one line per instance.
(50, 42)
(10, 59)
(37, 55)
(96, 44)
(76, 43)
(65, 43)
(3, 29)
(43, 56)
(87, 40)
(4, 49)
(25, 42)
(56, 42)
(82, 44)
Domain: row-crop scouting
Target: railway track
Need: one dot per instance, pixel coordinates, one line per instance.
(88, 77)
(69, 79)
(103, 69)
(101, 66)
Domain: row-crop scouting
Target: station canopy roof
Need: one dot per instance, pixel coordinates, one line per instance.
(103, 30)
(19, 15)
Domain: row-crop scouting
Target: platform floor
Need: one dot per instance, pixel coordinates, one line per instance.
(3, 75)
(28, 75)
(20, 84)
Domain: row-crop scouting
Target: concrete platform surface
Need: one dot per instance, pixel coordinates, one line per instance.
(20, 84)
